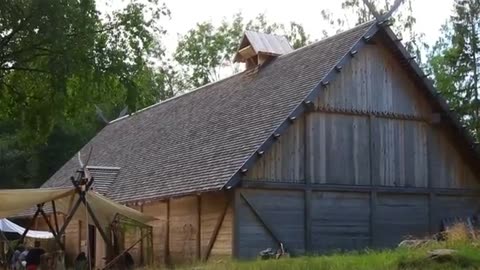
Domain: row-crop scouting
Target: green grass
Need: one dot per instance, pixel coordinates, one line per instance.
(467, 257)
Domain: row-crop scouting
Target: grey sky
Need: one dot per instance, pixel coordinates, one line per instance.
(430, 14)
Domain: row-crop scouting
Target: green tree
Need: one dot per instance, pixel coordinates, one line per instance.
(357, 12)
(455, 63)
(206, 52)
(59, 60)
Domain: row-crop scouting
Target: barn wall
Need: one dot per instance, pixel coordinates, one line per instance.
(329, 221)
(186, 229)
(284, 161)
(376, 168)
(281, 211)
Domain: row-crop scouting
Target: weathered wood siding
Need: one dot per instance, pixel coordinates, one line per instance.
(399, 216)
(337, 149)
(159, 229)
(399, 153)
(282, 210)
(446, 166)
(183, 229)
(213, 206)
(374, 81)
(370, 126)
(284, 161)
(181, 234)
(340, 221)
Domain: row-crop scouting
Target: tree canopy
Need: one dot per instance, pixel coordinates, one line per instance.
(59, 60)
(455, 63)
(206, 52)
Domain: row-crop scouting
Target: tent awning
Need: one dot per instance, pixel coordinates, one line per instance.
(15, 201)
(10, 227)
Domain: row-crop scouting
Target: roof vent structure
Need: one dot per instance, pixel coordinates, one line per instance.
(256, 48)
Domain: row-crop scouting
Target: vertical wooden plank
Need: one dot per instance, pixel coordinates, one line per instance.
(431, 214)
(372, 151)
(308, 220)
(236, 224)
(199, 225)
(373, 218)
(308, 191)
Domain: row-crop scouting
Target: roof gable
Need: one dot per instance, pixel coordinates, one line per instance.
(197, 142)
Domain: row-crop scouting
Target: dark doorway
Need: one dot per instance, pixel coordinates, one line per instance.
(92, 231)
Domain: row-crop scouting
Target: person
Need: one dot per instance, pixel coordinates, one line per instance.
(22, 258)
(129, 263)
(34, 256)
(81, 262)
(15, 262)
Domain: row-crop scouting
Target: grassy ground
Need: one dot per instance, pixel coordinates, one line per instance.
(467, 256)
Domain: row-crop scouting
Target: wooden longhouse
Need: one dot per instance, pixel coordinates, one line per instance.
(343, 144)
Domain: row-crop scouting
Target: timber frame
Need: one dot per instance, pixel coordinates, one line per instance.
(82, 186)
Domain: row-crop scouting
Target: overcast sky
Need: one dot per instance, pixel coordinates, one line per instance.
(430, 14)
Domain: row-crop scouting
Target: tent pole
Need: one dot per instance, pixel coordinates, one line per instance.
(45, 217)
(54, 208)
(95, 221)
(32, 222)
(69, 217)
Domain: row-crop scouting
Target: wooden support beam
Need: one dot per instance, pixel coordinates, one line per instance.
(114, 260)
(265, 224)
(216, 230)
(49, 224)
(236, 224)
(247, 53)
(167, 240)
(70, 216)
(54, 208)
(199, 227)
(32, 223)
(369, 113)
(98, 225)
(265, 184)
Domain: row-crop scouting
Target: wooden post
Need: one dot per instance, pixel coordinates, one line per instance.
(32, 223)
(199, 227)
(308, 190)
(236, 223)
(49, 224)
(54, 208)
(167, 240)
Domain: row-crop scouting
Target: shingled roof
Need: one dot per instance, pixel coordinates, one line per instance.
(199, 141)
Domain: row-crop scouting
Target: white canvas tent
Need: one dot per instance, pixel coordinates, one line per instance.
(16, 201)
(6, 226)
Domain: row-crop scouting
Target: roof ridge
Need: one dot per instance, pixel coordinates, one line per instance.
(318, 42)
